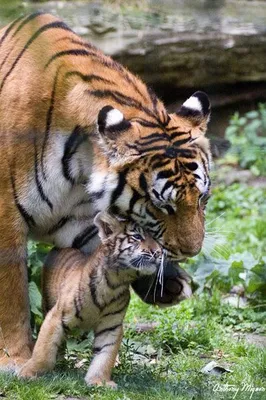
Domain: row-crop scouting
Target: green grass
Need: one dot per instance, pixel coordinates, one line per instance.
(164, 363)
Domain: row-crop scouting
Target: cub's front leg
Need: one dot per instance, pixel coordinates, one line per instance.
(44, 353)
(105, 347)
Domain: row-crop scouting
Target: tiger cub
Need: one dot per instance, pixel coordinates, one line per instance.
(92, 292)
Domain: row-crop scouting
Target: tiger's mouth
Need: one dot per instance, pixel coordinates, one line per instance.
(175, 257)
(146, 263)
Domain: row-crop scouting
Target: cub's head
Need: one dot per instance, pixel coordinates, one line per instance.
(127, 245)
(155, 170)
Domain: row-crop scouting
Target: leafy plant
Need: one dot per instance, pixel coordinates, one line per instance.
(247, 135)
(36, 255)
(239, 269)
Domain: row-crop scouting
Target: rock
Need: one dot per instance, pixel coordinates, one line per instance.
(213, 368)
(240, 176)
(235, 301)
(189, 60)
(176, 43)
(252, 338)
(257, 340)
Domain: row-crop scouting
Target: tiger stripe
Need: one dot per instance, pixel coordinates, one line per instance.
(89, 78)
(26, 20)
(62, 222)
(71, 52)
(84, 237)
(52, 25)
(37, 178)
(24, 213)
(121, 100)
(100, 348)
(9, 29)
(107, 330)
(49, 118)
(76, 138)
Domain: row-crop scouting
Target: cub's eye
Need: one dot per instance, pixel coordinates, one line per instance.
(137, 237)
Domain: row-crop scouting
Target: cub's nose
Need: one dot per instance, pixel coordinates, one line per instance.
(153, 245)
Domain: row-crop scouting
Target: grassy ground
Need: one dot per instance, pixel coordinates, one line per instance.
(165, 362)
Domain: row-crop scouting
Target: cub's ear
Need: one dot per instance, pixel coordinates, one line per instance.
(106, 224)
(111, 123)
(196, 109)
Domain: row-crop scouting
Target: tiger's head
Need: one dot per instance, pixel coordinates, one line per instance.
(158, 172)
(127, 245)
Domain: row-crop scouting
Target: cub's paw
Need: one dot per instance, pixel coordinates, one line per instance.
(28, 371)
(100, 382)
(111, 384)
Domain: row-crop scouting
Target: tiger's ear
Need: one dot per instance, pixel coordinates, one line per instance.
(111, 123)
(197, 110)
(107, 225)
(116, 133)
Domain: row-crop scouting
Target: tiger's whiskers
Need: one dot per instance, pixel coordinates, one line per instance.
(161, 271)
(219, 216)
(159, 276)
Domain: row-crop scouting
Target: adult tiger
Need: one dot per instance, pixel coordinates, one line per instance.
(80, 133)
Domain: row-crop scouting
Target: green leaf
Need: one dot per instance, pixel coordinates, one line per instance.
(35, 299)
(252, 114)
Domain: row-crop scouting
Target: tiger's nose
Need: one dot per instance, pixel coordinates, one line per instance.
(190, 252)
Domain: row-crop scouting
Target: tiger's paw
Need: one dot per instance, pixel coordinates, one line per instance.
(96, 381)
(176, 286)
(28, 371)
(12, 365)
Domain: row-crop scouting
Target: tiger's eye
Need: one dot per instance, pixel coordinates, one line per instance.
(137, 237)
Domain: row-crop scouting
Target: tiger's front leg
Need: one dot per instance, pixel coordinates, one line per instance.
(15, 333)
(44, 353)
(105, 347)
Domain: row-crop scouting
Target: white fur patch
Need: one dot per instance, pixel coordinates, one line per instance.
(102, 181)
(114, 117)
(200, 181)
(193, 103)
(96, 181)
(124, 201)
